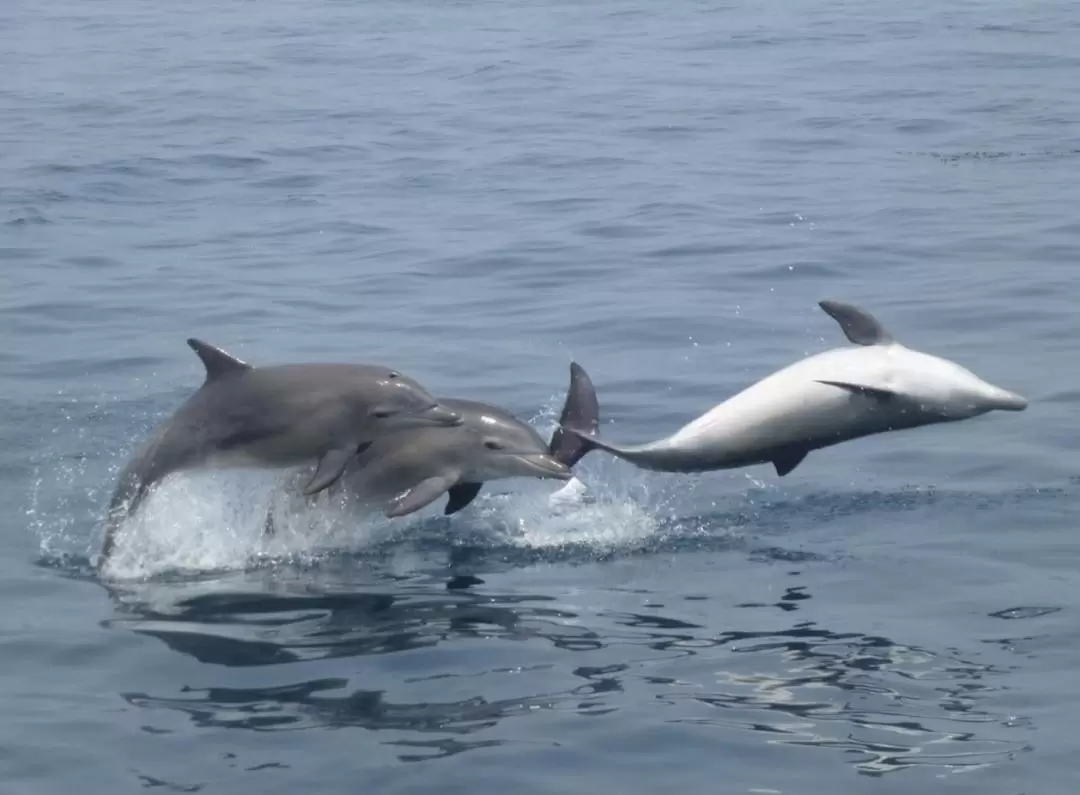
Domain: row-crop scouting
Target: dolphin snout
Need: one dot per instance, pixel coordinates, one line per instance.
(546, 466)
(994, 398)
(1009, 401)
(440, 415)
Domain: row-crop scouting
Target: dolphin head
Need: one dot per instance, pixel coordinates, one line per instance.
(400, 403)
(505, 447)
(942, 389)
(953, 391)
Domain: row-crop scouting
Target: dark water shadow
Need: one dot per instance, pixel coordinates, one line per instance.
(314, 704)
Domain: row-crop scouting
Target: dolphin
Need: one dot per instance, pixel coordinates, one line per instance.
(402, 472)
(827, 398)
(277, 416)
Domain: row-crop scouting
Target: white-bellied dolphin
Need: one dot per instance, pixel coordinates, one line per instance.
(277, 416)
(402, 472)
(822, 400)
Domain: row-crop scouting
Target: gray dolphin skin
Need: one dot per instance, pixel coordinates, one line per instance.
(276, 416)
(876, 385)
(403, 472)
(581, 412)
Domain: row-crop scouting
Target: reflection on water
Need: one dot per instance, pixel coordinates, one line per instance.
(886, 705)
(251, 629)
(883, 705)
(329, 703)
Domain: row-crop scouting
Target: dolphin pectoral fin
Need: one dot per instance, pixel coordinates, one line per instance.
(858, 325)
(460, 496)
(581, 412)
(423, 493)
(787, 462)
(881, 395)
(331, 466)
(216, 361)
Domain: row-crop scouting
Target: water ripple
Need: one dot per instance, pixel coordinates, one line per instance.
(479, 194)
(884, 706)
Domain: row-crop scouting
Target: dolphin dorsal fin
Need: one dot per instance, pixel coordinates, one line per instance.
(858, 325)
(216, 361)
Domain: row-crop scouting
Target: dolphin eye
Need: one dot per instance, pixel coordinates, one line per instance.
(382, 414)
(491, 444)
(394, 374)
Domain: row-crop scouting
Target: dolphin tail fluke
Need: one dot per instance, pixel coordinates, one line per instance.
(108, 544)
(269, 525)
(132, 487)
(125, 500)
(579, 420)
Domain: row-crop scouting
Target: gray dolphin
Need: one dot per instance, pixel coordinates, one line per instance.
(278, 416)
(875, 386)
(405, 471)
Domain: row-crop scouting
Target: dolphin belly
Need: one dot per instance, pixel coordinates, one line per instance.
(760, 426)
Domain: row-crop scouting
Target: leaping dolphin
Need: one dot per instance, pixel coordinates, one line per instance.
(401, 473)
(277, 416)
(822, 400)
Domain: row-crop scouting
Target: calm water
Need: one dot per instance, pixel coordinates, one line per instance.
(476, 193)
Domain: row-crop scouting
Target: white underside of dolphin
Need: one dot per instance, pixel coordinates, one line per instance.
(822, 400)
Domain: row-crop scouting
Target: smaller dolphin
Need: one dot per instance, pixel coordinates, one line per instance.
(278, 416)
(822, 400)
(401, 473)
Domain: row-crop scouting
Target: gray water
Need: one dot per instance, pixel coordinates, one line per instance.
(477, 193)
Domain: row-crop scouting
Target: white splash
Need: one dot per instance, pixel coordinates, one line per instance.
(572, 493)
(214, 521)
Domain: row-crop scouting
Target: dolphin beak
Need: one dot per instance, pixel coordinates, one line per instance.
(441, 416)
(546, 466)
(1005, 400)
(994, 398)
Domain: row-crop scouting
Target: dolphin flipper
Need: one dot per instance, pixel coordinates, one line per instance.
(423, 493)
(460, 496)
(880, 395)
(581, 414)
(858, 325)
(330, 468)
(788, 461)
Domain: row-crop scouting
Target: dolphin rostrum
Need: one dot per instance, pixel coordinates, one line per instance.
(822, 400)
(402, 472)
(276, 416)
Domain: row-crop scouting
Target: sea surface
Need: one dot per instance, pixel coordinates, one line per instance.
(479, 193)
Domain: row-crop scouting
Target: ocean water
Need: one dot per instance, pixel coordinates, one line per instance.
(478, 193)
